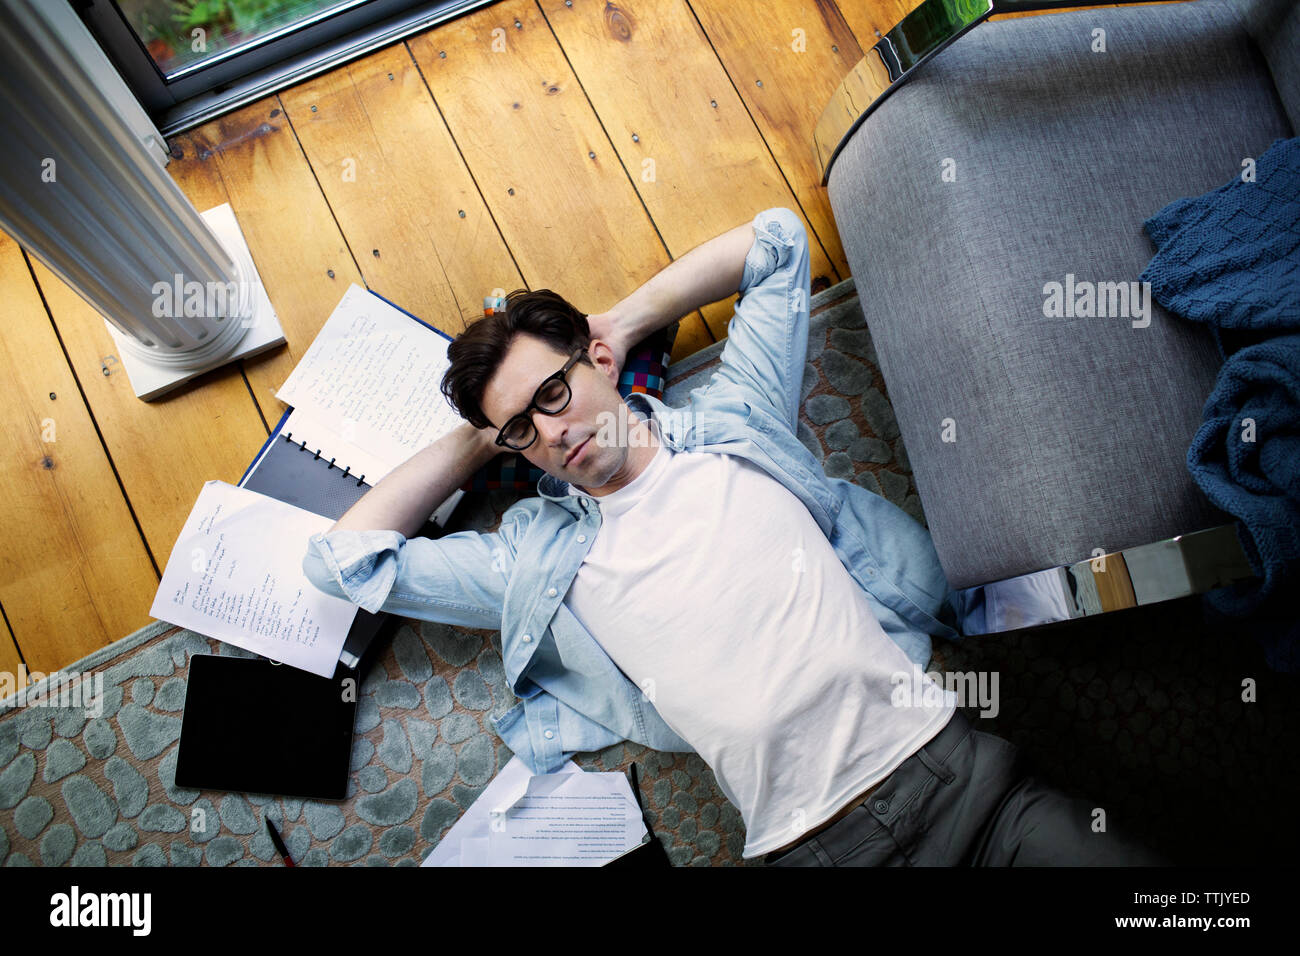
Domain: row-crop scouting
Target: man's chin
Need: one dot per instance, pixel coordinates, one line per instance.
(585, 478)
(573, 476)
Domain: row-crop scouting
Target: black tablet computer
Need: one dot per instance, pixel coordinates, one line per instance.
(254, 726)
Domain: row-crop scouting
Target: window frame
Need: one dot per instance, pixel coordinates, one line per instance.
(202, 92)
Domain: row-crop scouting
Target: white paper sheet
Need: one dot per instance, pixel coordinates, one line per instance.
(504, 826)
(504, 790)
(372, 376)
(568, 819)
(235, 574)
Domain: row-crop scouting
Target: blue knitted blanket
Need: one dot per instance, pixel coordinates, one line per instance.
(1231, 259)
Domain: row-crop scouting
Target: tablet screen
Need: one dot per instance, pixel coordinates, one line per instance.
(253, 726)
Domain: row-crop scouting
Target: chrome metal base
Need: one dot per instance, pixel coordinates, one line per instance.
(1177, 567)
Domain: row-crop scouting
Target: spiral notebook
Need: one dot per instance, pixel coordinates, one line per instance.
(365, 397)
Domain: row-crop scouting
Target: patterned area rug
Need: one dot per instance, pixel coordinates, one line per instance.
(1100, 706)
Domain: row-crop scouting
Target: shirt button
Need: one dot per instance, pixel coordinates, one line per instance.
(551, 592)
(871, 572)
(582, 539)
(526, 638)
(549, 734)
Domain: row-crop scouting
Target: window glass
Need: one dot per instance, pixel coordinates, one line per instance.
(181, 35)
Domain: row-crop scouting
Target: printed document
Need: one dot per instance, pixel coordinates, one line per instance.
(569, 818)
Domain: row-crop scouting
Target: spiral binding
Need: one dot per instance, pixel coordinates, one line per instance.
(302, 446)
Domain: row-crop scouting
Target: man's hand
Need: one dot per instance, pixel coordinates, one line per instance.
(708, 273)
(485, 443)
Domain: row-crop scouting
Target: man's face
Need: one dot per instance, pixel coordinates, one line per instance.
(566, 444)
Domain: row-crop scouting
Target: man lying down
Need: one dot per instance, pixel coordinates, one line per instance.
(690, 579)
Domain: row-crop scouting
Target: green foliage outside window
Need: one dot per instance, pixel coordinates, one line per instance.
(167, 27)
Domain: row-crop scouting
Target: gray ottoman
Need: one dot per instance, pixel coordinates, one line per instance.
(1019, 157)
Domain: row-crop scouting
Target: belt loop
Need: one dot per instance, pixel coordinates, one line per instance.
(936, 768)
(953, 733)
(818, 851)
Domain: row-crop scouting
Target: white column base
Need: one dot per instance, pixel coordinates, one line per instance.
(264, 332)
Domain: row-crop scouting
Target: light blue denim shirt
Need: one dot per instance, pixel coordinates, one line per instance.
(573, 697)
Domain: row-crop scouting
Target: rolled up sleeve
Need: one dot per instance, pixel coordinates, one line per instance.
(457, 579)
(767, 337)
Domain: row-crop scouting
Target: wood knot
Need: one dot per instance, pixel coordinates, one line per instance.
(618, 24)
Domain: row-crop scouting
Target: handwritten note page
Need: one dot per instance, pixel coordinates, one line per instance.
(235, 574)
(372, 376)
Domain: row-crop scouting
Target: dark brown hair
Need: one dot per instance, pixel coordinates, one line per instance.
(477, 352)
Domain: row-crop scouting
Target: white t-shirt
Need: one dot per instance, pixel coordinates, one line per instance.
(713, 589)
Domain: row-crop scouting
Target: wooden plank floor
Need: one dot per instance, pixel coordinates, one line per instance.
(578, 146)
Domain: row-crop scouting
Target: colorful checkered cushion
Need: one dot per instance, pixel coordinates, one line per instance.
(644, 371)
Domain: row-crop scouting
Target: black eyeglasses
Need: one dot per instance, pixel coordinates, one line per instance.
(551, 398)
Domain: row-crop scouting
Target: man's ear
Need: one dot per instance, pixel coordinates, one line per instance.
(602, 356)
